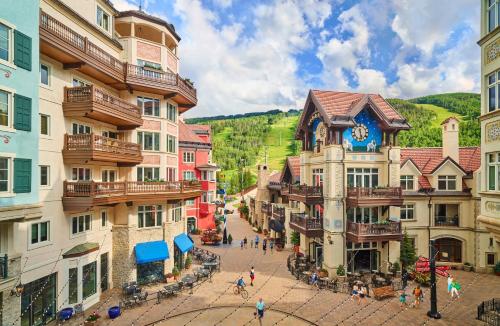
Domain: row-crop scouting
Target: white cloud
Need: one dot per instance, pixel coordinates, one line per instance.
(223, 3)
(123, 5)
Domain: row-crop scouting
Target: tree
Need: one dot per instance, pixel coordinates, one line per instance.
(408, 255)
(295, 238)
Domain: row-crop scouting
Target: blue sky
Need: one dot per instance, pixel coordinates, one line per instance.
(255, 55)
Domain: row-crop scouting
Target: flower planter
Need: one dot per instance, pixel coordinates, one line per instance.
(468, 268)
(114, 312)
(66, 313)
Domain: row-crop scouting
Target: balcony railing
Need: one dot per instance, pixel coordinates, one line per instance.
(265, 208)
(4, 266)
(116, 150)
(361, 232)
(446, 221)
(359, 196)
(311, 227)
(279, 213)
(307, 194)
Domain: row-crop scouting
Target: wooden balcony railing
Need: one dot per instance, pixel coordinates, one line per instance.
(359, 196)
(92, 142)
(311, 227)
(360, 232)
(265, 208)
(447, 221)
(279, 213)
(306, 194)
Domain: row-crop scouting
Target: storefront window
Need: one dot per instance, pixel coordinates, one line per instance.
(73, 285)
(38, 301)
(89, 282)
(150, 272)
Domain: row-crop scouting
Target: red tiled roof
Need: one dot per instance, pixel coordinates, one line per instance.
(294, 164)
(341, 103)
(428, 159)
(186, 134)
(275, 177)
(448, 119)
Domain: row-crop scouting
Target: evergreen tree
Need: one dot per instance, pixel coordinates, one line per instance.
(408, 255)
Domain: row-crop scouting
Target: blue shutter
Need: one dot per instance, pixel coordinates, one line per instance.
(22, 175)
(22, 112)
(22, 50)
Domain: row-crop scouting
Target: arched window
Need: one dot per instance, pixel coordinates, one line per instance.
(449, 250)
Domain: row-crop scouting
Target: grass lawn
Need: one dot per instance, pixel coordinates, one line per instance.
(441, 113)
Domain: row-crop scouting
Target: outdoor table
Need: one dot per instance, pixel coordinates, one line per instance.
(210, 265)
(189, 280)
(324, 281)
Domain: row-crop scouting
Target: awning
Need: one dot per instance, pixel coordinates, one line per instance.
(147, 252)
(183, 242)
(81, 250)
(276, 225)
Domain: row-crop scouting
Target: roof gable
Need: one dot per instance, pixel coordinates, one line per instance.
(449, 161)
(411, 164)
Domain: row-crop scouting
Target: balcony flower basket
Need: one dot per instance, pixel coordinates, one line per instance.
(92, 318)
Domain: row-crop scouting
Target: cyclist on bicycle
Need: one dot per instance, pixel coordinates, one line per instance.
(240, 284)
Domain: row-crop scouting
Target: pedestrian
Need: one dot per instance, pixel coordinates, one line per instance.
(256, 242)
(402, 298)
(314, 280)
(241, 244)
(252, 276)
(450, 280)
(362, 294)
(404, 278)
(271, 245)
(245, 242)
(260, 310)
(251, 243)
(355, 291)
(417, 292)
(264, 246)
(455, 287)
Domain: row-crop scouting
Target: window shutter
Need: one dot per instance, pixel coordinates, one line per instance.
(22, 175)
(22, 112)
(22, 50)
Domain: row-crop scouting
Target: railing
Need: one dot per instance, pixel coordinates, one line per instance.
(279, 213)
(446, 221)
(4, 266)
(489, 312)
(96, 189)
(58, 29)
(285, 188)
(306, 222)
(387, 192)
(306, 191)
(88, 142)
(265, 207)
(374, 228)
(91, 93)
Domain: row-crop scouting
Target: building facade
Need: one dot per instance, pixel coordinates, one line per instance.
(109, 102)
(195, 163)
(490, 118)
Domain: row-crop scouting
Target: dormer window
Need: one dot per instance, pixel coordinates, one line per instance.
(447, 182)
(103, 19)
(407, 182)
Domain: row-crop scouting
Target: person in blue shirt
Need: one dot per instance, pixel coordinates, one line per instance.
(260, 309)
(240, 284)
(256, 242)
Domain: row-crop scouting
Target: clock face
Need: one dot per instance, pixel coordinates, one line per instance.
(360, 132)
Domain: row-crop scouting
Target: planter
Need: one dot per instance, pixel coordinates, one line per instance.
(296, 248)
(114, 312)
(468, 268)
(66, 313)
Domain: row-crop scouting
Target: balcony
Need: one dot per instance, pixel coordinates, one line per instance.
(446, 221)
(364, 197)
(75, 51)
(285, 188)
(93, 102)
(310, 227)
(4, 272)
(279, 213)
(83, 195)
(91, 147)
(306, 194)
(168, 84)
(265, 208)
(447, 215)
(359, 232)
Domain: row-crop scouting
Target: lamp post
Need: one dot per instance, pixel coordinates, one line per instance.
(224, 236)
(433, 313)
(242, 164)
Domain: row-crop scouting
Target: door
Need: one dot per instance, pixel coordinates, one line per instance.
(319, 256)
(191, 224)
(38, 301)
(109, 176)
(104, 272)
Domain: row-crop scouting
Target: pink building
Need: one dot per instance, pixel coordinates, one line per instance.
(195, 162)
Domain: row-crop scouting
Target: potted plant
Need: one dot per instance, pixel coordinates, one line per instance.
(395, 268)
(259, 230)
(423, 279)
(295, 241)
(323, 273)
(497, 269)
(168, 276)
(176, 272)
(468, 267)
(229, 238)
(92, 318)
(341, 273)
(188, 262)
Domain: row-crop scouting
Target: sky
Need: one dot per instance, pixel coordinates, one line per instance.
(258, 55)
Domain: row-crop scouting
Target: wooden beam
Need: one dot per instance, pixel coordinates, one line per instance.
(73, 65)
(167, 96)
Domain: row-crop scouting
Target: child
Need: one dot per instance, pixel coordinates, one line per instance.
(455, 287)
(355, 291)
(252, 276)
(402, 299)
(417, 292)
(241, 244)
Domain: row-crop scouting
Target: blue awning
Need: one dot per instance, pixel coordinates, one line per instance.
(276, 225)
(147, 252)
(183, 242)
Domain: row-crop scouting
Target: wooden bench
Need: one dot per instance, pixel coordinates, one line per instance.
(382, 292)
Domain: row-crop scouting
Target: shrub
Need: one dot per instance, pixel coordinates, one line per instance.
(229, 238)
(188, 262)
(175, 271)
(423, 278)
(395, 267)
(93, 317)
(341, 270)
(295, 238)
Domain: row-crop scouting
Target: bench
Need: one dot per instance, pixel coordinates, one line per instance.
(383, 292)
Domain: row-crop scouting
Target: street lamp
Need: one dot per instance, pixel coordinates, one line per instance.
(433, 313)
(242, 164)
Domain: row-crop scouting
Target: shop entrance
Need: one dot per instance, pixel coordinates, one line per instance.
(38, 301)
(150, 272)
(362, 257)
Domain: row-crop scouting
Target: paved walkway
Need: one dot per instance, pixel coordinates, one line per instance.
(213, 303)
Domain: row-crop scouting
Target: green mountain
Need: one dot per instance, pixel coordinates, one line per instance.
(242, 141)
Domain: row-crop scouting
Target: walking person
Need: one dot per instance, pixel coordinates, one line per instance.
(256, 242)
(264, 246)
(271, 245)
(450, 280)
(260, 310)
(417, 292)
(252, 276)
(355, 291)
(251, 243)
(402, 299)
(241, 244)
(362, 294)
(245, 242)
(404, 278)
(455, 287)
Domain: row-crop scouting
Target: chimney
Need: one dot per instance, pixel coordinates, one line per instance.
(450, 138)
(262, 176)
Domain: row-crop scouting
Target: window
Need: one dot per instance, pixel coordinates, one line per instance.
(449, 250)
(490, 258)
(176, 212)
(189, 202)
(407, 182)
(73, 285)
(171, 142)
(493, 171)
(149, 141)
(103, 19)
(148, 174)
(4, 174)
(493, 90)
(317, 175)
(365, 215)
(149, 216)
(44, 74)
(171, 112)
(44, 124)
(5, 108)
(5, 42)
(89, 282)
(39, 232)
(188, 175)
(108, 176)
(447, 182)
(171, 174)
(188, 157)
(79, 83)
(362, 177)
(81, 129)
(408, 212)
(148, 64)
(207, 197)
(80, 224)
(81, 174)
(208, 175)
(44, 175)
(150, 106)
(492, 14)
(104, 219)
(110, 134)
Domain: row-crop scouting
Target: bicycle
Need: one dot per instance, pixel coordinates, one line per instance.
(242, 291)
